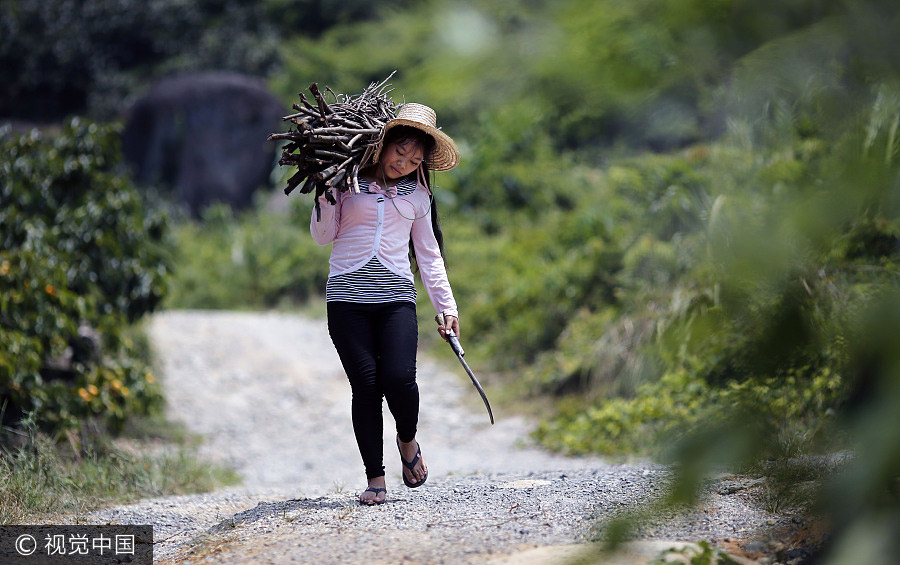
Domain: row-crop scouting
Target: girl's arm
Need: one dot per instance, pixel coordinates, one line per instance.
(432, 269)
(325, 230)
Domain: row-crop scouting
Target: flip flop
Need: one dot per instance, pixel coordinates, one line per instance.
(411, 465)
(373, 502)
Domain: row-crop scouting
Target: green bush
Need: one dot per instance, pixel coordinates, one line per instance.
(697, 293)
(678, 404)
(81, 259)
(257, 259)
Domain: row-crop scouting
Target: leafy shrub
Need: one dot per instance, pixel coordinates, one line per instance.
(679, 403)
(257, 259)
(81, 259)
(733, 276)
(615, 260)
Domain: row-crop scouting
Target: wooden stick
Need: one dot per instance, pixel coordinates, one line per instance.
(324, 109)
(294, 181)
(356, 178)
(331, 142)
(289, 135)
(326, 153)
(346, 130)
(308, 185)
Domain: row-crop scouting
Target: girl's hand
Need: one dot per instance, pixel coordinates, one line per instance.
(450, 322)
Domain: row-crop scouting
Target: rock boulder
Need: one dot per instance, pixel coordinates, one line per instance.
(203, 135)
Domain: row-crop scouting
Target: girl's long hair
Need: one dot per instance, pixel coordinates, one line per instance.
(435, 224)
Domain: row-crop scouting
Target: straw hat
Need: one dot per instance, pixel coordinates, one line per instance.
(445, 155)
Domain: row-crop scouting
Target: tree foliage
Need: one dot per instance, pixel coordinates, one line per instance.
(81, 259)
(681, 215)
(739, 287)
(88, 57)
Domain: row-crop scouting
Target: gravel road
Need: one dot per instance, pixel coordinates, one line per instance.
(267, 392)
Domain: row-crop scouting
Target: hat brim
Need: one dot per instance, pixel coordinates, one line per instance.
(445, 155)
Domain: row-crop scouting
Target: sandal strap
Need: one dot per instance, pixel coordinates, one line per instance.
(411, 465)
(376, 490)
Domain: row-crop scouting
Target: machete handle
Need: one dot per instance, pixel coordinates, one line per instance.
(451, 336)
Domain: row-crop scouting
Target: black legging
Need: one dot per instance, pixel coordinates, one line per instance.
(377, 346)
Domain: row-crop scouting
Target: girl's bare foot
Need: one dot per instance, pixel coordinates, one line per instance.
(375, 494)
(408, 452)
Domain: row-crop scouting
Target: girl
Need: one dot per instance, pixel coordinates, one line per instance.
(370, 293)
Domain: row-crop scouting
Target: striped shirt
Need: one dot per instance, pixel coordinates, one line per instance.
(379, 223)
(373, 282)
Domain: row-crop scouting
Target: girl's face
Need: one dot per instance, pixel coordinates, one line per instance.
(400, 159)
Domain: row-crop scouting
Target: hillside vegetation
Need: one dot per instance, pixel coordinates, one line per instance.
(678, 220)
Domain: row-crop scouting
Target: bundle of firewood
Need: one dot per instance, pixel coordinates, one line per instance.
(332, 141)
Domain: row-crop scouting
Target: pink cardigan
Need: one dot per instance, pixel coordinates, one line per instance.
(362, 226)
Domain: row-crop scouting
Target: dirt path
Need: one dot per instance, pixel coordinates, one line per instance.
(267, 392)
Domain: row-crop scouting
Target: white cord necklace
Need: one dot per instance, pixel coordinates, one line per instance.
(391, 198)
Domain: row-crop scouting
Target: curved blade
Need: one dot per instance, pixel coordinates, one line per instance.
(453, 340)
(478, 386)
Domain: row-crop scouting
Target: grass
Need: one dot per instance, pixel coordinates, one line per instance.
(794, 475)
(45, 482)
